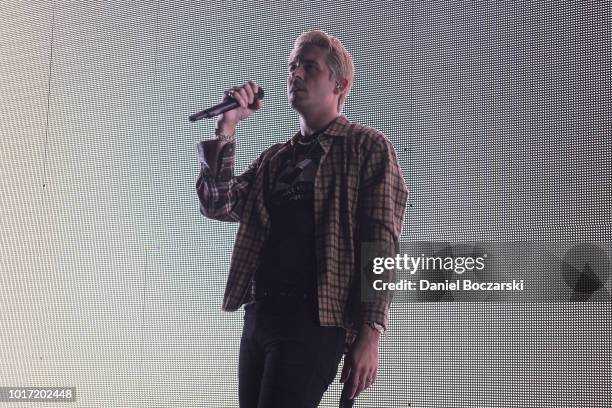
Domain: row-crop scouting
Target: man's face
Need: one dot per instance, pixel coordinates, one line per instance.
(309, 87)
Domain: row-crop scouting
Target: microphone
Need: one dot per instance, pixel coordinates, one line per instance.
(345, 402)
(226, 105)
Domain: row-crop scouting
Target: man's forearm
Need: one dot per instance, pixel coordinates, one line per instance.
(226, 128)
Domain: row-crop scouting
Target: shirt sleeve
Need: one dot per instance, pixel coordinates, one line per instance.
(381, 207)
(222, 195)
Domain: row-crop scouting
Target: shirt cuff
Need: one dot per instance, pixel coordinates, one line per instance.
(379, 327)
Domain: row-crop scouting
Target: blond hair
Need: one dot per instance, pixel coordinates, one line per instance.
(339, 60)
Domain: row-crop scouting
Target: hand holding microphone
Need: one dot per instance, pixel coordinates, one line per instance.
(239, 103)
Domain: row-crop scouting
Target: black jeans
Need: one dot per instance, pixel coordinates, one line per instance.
(286, 359)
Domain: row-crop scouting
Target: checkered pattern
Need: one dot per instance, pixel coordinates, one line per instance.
(360, 196)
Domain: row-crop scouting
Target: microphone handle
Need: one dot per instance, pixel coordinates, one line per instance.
(228, 104)
(218, 109)
(345, 402)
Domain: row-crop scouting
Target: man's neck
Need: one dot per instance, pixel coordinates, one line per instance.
(311, 125)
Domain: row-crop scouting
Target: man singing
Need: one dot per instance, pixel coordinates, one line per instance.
(305, 208)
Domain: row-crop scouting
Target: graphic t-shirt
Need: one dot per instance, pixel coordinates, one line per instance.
(289, 254)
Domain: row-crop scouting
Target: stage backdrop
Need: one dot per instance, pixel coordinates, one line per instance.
(111, 281)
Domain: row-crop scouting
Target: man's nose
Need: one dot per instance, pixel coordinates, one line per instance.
(297, 72)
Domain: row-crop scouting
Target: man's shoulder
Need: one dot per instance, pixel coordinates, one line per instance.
(271, 150)
(366, 131)
(365, 134)
(276, 146)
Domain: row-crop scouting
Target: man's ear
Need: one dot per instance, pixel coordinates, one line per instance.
(341, 85)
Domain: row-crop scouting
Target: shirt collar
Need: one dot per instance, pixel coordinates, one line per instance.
(336, 128)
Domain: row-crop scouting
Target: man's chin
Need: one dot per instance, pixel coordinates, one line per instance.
(296, 104)
(293, 98)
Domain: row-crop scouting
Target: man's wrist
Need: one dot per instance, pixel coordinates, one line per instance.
(373, 327)
(226, 127)
(225, 134)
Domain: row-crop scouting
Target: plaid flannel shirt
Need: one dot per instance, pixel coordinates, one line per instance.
(359, 196)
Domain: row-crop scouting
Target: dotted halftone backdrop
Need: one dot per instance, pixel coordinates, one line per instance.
(110, 279)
